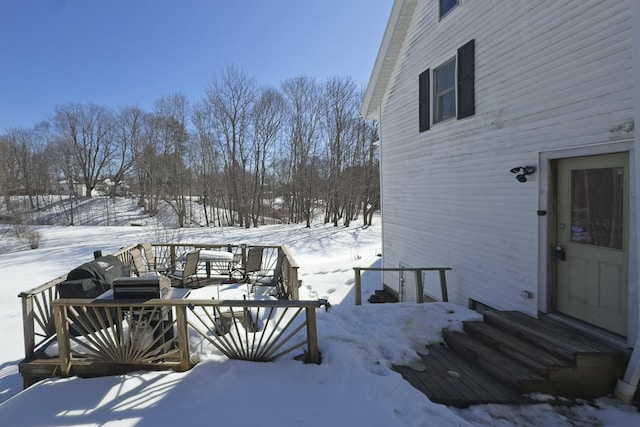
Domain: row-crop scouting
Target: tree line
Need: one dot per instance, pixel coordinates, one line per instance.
(243, 151)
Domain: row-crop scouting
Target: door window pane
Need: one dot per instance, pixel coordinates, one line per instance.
(597, 207)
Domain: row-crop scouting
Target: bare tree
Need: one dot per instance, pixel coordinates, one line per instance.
(7, 171)
(169, 121)
(25, 145)
(42, 163)
(339, 116)
(86, 132)
(268, 117)
(301, 158)
(210, 179)
(370, 178)
(229, 98)
(128, 136)
(146, 167)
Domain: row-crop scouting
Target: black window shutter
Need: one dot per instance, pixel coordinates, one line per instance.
(466, 77)
(424, 100)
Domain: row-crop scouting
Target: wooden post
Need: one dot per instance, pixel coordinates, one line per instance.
(172, 255)
(183, 337)
(358, 287)
(28, 319)
(419, 286)
(294, 283)
(443, 286)
(62, 332)
(312, 336)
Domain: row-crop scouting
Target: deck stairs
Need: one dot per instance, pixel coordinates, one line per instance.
(510, 354)
(382, 296)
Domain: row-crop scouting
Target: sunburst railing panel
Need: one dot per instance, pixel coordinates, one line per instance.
(157, 332)
(125, 334)
(258, 334)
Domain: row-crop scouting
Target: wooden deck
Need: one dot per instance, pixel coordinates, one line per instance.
(115, 336)
(42, 367)
(509, 355)
(451, 380)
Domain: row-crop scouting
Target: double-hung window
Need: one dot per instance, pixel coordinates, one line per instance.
(444, 91)
(453, 92)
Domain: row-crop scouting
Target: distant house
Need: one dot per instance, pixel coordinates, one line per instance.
(68, 188)
(508, 153)
(106, 186)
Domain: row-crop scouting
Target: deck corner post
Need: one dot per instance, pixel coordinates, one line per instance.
(358, 286)
(312, 337)
(62, 332)
(28, 319)
(183, 337)
(294, 283)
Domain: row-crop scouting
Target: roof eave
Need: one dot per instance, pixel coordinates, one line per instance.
(392, 40)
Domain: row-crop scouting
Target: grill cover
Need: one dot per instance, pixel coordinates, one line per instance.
(104, 269)
(90, 280)
(82, 288)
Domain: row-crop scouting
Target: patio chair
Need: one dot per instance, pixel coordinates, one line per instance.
(189, 270)
(150, 258)
(138, 266)
(252, 266)
(272, 285)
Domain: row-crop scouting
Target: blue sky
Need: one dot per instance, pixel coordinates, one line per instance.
(131, 52)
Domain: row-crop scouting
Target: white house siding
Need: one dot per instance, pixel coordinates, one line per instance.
(548, 75)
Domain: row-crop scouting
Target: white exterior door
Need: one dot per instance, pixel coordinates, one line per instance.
(592, 240)
(407, 285)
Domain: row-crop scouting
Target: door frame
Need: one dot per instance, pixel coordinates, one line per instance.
(547, 162)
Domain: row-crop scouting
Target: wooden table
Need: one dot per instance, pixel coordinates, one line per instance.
(222, 261)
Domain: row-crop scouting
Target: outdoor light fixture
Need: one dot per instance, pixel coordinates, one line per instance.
(524, 171)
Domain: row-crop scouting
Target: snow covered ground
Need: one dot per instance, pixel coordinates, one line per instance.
(354, 385)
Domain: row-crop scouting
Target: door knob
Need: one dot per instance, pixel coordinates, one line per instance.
(559, 253)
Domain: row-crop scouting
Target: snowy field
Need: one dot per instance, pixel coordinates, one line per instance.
(354, 385)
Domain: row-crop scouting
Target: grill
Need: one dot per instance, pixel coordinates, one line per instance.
(146, 287)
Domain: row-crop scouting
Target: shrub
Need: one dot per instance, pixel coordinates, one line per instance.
(32, 237)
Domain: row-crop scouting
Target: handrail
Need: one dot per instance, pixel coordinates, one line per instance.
(290, 274)
(154, 302)
(419, 281)
(42, 287)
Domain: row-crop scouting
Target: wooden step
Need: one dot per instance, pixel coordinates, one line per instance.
(524, 354)
(554, 337)
(450, 380)
(595, 365)
(506, 370)
(519, 350)
(382, 296)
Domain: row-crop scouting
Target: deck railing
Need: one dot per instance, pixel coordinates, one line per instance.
(38, 325)
(419, 281)
(37, 318)
(157, 334)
